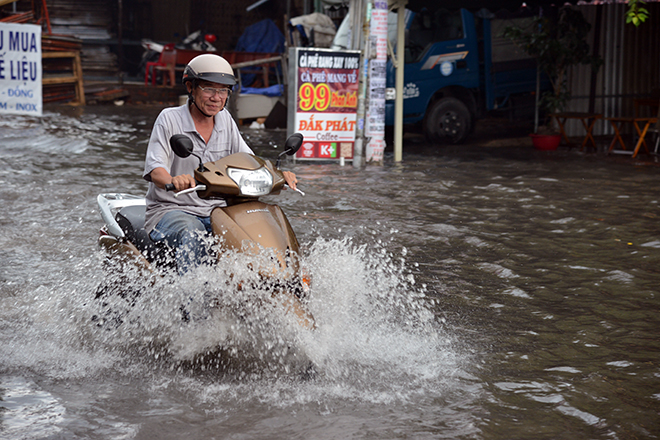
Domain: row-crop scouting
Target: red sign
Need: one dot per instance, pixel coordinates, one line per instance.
(307, 151)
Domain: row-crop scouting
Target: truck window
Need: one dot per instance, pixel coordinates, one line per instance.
(428, 28)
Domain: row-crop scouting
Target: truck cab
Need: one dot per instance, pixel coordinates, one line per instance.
(441, 68)
(457, 67)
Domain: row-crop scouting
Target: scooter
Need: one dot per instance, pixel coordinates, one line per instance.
(245, 225)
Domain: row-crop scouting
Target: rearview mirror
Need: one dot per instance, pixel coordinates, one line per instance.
(181, 145)
(291, 146)
(293, 143)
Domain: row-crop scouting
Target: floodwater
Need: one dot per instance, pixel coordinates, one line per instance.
(467, 293)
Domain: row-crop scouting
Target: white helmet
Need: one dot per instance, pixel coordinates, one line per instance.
(209, 67)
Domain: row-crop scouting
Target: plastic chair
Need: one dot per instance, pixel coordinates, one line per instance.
(166, 63)
(656, 130)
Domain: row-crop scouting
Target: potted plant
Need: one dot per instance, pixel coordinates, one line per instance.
(557, 43)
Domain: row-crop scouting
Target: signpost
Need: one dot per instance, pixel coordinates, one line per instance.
(20, 69)
(375, 127)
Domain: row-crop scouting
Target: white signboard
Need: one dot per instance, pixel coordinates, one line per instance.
(20, 69)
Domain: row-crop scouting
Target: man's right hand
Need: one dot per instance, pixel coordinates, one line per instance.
(161, 177)
(183, 181)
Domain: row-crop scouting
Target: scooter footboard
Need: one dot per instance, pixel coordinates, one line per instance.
(124, 251)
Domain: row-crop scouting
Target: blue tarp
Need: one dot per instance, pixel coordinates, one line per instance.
(263, 36)
(276, 90)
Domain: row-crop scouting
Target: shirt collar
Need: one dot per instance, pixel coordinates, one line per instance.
(188, 123)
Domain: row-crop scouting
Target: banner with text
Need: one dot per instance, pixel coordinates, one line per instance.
(20, 69)
(326, 102)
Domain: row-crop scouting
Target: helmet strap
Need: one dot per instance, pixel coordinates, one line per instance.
(200, 110)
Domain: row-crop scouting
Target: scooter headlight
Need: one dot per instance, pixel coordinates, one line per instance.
(252, 182)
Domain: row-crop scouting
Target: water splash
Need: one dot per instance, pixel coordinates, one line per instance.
(376, 334)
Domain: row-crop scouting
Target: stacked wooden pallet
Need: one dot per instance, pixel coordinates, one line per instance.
(91, 21)
(62, 69)
(64, 80)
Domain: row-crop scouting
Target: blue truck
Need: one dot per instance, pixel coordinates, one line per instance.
(458, 68)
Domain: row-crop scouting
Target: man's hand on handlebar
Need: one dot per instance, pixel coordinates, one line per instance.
(161, 177)
(290, 178)
(183, 181)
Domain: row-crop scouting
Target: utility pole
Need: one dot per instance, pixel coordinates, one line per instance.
(360, 25)
(399, 61)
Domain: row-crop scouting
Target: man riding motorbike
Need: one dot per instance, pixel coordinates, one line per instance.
(184, 221)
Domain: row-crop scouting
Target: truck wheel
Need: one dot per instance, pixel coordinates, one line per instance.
(448, 120)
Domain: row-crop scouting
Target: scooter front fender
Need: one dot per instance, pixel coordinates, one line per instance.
(254, 225)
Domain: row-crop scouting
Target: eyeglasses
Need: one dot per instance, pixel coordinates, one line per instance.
(209, 92)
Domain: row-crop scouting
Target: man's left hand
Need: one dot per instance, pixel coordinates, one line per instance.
(290, 178)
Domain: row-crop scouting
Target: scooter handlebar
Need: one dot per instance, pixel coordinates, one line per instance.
(296, 189)
(189, 190)
(170, 187)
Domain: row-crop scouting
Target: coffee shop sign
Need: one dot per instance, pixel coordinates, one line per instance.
(318, 61)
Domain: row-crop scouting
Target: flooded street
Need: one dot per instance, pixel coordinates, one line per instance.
(472, 293)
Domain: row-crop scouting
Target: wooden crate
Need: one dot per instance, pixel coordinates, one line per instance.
(60, 75)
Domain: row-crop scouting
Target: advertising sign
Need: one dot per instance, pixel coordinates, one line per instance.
(326, 95)
(20, 69)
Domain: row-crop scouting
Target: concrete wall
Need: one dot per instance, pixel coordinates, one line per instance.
(171, 19)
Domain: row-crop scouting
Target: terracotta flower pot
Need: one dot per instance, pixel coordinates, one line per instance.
(545, 142)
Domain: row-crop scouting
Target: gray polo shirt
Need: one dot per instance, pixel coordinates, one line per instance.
(225, 140)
